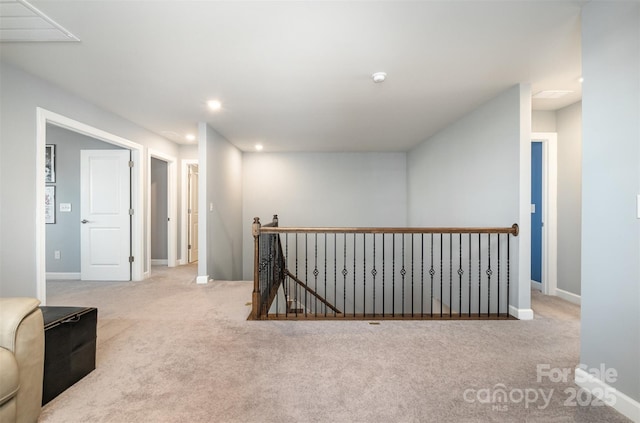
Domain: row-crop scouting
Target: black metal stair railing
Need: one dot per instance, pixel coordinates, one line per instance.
(381, 273)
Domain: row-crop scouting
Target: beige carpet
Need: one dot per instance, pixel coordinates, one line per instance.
(173, 351)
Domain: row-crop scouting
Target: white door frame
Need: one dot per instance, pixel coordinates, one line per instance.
(43, 117)
(185, 163)
(172, 185)
(549, 142)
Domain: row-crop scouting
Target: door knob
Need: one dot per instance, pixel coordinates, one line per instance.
(84, 221)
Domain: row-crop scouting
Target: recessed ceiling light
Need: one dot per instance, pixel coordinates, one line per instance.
(379, 77)
(549, 94)
(214, 104)
(581, 80)
(259, 147)
(190, 137)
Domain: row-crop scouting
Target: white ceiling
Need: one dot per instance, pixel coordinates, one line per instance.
(296, 75)
(20, 21)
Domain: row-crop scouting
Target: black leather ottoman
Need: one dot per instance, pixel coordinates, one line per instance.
(69, 347)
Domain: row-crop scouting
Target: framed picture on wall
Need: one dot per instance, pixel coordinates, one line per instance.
(50, 204)
(50, 163)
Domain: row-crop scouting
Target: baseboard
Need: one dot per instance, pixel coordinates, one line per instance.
(202, 279)
(521, 313)
(610, 396)
(58, 276)
(159, 262)
(568, 296)
(536, 285)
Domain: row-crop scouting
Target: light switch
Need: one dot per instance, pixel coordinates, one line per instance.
(65, 207)
(210, 207)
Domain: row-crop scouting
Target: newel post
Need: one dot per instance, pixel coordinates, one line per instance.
(256, 269)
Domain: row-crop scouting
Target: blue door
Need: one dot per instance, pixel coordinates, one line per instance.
(536, 212)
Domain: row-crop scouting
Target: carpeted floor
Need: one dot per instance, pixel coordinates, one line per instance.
(173, 351)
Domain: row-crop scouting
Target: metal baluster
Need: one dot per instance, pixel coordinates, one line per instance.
(460, 273)
(431, 272)
(508, 271)
(412, 300)
(295, 292)
(364, 274)
(383, 275)
(489, 273)
(450, 275)
(393, 274)
(499, 280)
(469, 275)
(354, 274)
(403, 272)
(273, 270)
(344, 278)
(441, 276)
(325, 273)
(315, 274)
(373, 273)
(335, 270)
(285, 288)
(479, 272)
(421, 275)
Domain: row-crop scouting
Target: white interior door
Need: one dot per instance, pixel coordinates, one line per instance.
(193, 213)
(106, 223)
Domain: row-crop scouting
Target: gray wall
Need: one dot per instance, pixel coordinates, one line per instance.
(21, 95)
(159, 209)
(610, 332)
(64, 235)
(322, 189)
(569, 126)
(469, 174)
(220, 214)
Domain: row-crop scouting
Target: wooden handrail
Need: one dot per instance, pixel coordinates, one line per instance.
(513, 230)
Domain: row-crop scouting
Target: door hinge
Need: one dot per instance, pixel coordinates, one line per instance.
(130, 163)
(189, 247)
(130, 259)
(130, 212)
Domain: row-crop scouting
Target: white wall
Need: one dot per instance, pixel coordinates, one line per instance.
(543, 121)
(21, 94)
(469, 174)
(322, 189)
(610, 332)
(220, 212)
(189, 152)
